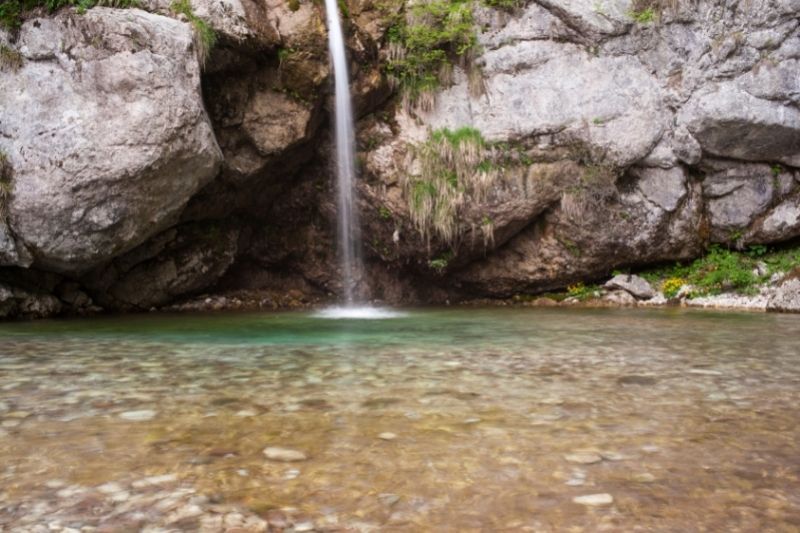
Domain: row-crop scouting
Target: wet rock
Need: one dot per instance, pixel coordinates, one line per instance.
(635, 285)
(387, 435)
(285, 455)
(637, 380)
(644, 477)
(153, 481)
(594, 500)
(138, 416)
(388, 499)
(584, 458)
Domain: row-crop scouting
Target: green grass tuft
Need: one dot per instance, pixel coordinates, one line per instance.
(425, 44)
(205, 36)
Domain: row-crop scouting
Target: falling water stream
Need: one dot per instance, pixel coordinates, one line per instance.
(348, 226)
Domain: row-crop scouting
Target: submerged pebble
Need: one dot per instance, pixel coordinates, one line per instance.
(387, 435)
(138, 416)
(286, 455)
(594, 500)
(584, 458)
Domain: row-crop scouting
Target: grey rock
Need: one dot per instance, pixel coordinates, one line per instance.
(637, 286)
(730, 122)
(780, 223)
(128, 140)
(664, 187)
(620, 297)
(737, 195)
(786, 297)
(535, 88)
(233, 20)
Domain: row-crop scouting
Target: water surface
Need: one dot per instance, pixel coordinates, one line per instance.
(439, 420)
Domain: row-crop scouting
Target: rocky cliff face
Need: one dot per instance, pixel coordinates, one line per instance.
(137, 172)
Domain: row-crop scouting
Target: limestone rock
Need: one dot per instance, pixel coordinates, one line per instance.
(736, 195)
(536, 88)
(664, 187)
(127, 139)
(730, 122)
(635, 285)
(786, 297)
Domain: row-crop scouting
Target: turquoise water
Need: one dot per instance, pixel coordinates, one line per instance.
(440, 420)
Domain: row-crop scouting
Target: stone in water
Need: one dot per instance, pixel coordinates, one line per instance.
(594, 500)
(274, 453)
(584, 458)
(138, 416)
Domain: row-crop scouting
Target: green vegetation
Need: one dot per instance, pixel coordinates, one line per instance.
(583, 292)
(425, 44)
(724, 270)
(294, 5)
(440, 263)
(458, 169)
(776, 170)
(205, 36)
(506, 5)
(9, 58)
(384, 213)
(11, 11)
(645, 16)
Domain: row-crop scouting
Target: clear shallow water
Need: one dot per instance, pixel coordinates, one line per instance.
(441, 420)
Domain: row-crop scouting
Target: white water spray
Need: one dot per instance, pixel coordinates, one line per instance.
(348, 227)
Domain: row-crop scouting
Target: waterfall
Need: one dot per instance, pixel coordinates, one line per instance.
(349, 234)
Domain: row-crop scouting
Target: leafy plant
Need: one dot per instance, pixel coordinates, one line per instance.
(671, 286)
(441, 262)
(776, 170)
(205, 36)
(384, 213)
(583, 292)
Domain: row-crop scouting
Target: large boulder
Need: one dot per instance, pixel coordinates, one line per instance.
(105, 129)
(730, 122)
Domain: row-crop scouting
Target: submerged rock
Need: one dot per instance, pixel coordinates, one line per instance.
(594, 500)
(285, 455)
